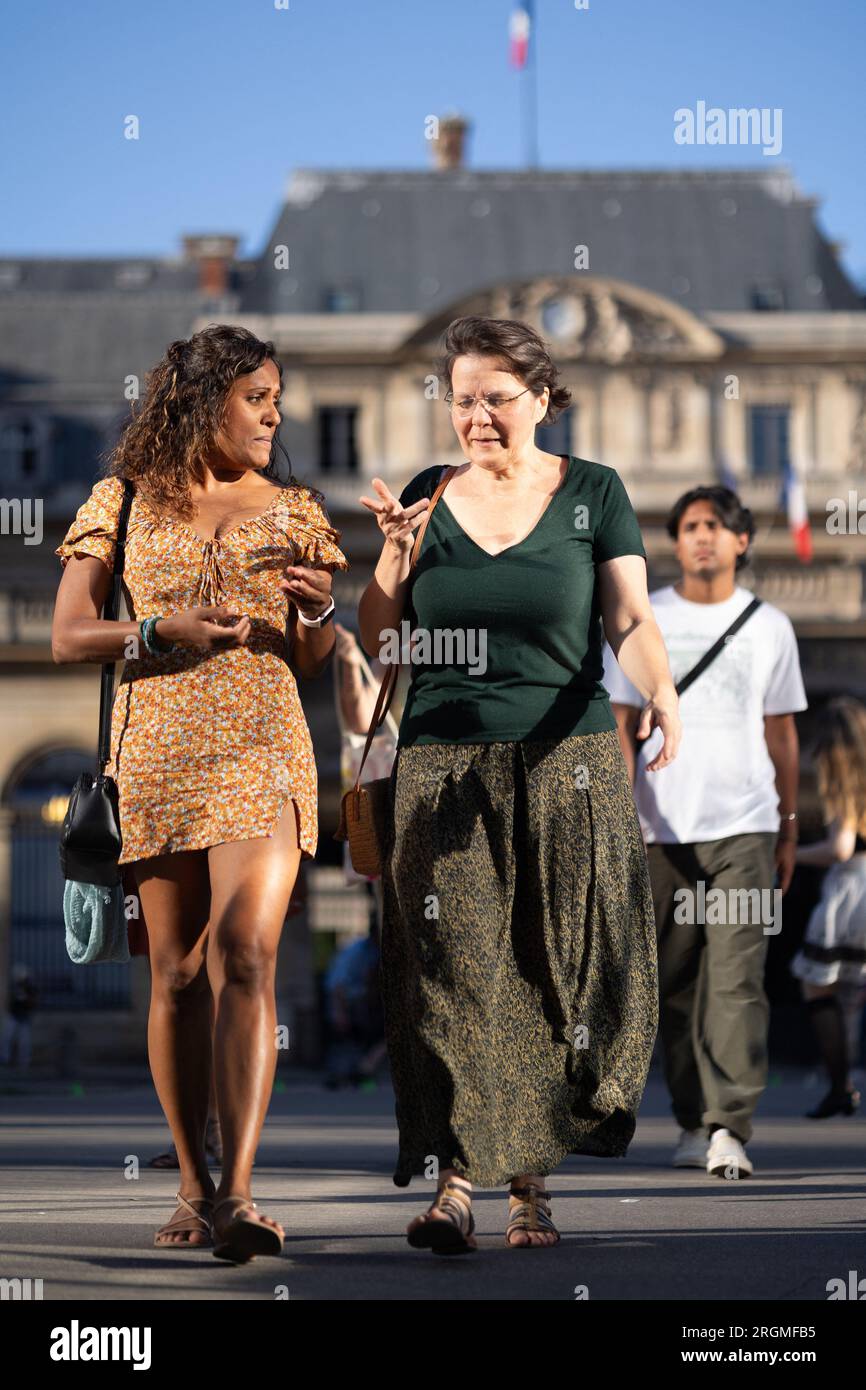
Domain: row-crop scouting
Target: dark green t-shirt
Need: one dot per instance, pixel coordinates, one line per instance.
(514, 641)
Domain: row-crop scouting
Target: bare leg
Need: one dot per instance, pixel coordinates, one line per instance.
(251, 884)
(175, 897)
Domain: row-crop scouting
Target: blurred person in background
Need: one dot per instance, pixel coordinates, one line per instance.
(17, 1031)
(724, 816)
(354, 1025)
(356, 689)
(832, 958)
(354, 1009)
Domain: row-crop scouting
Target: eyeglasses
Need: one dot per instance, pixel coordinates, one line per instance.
(465, 405)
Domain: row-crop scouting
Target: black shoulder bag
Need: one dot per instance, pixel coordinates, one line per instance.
(90, 842)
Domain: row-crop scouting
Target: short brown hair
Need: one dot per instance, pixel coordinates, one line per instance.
(517, 345)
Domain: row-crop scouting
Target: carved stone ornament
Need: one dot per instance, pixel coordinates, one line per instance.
(600, 320)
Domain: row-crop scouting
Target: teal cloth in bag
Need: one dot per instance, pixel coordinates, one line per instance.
(95, 923)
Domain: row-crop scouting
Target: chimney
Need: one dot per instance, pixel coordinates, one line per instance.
(448, 149)
(214, 256)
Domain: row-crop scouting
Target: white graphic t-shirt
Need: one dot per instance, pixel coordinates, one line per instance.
(722, 781)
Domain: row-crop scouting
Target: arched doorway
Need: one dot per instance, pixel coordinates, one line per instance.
(36, 800)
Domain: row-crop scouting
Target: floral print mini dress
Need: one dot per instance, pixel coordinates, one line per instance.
(208, 746)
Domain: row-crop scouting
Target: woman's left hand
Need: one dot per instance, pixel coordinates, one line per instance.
(309, 588)
(663, 713)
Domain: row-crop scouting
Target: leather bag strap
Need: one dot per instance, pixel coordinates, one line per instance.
(109, 613)
(389, 680)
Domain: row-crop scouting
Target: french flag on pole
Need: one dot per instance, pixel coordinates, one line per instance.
(519, 28)
(794, 499)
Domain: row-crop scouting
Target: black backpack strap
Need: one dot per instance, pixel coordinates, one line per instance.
(109, 612)
(710, 656)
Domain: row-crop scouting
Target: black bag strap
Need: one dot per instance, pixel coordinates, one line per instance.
(110, 611)
(710, 656)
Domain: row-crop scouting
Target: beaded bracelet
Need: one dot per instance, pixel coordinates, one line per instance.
(148, 636)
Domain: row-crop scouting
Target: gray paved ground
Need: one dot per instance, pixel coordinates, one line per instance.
(633, 1228)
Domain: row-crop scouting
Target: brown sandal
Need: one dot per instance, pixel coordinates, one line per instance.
(189, 1221)
(528, 1211)
(242, 1238)
(451, 1237)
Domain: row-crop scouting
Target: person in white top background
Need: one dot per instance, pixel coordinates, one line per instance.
(720, 825)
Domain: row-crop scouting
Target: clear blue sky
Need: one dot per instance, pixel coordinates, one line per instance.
(234, 94)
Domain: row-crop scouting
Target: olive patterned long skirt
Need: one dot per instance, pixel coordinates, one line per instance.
(518, 956)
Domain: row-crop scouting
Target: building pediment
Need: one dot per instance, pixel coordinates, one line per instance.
(591, 318)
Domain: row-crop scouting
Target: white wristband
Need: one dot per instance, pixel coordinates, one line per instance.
(317, 622)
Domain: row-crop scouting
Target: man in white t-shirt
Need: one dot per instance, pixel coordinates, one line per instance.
(720, 826)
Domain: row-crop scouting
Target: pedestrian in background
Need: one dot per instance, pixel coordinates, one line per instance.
(724, 816)
(833, 953)
(17, 1038)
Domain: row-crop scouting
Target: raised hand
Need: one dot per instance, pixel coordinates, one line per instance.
(396, 523)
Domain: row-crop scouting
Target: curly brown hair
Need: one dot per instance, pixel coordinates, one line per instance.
(163, 445)
(515, 344)
(840, 758)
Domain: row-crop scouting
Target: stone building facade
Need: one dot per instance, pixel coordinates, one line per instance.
(702, 321)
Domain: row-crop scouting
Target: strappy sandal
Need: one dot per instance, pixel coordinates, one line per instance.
(451, 1237)
(528, 1211)
(189, 1220)
(242, 1238)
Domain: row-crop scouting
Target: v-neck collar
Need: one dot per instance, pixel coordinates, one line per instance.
(517, 544)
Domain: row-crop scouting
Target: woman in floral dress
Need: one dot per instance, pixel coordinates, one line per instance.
(227, 577)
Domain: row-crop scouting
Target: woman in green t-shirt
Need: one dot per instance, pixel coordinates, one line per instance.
(518, 949)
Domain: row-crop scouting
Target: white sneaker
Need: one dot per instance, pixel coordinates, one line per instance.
(692, 1149)
(726, 1157)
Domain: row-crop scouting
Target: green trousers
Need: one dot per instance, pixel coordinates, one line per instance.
(713, 1012)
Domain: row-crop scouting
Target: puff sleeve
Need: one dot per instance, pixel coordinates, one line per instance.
(94, 530)
(312, 534)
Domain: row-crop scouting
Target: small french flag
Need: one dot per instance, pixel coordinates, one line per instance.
(519, 28)
(794, 499)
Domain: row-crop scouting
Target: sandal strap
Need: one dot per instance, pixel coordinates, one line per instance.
(235, 1197)
(456, 1203)
(528, 1210)
(181, 1222)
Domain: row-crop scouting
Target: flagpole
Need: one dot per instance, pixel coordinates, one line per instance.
(532, 88)
(524, 42)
